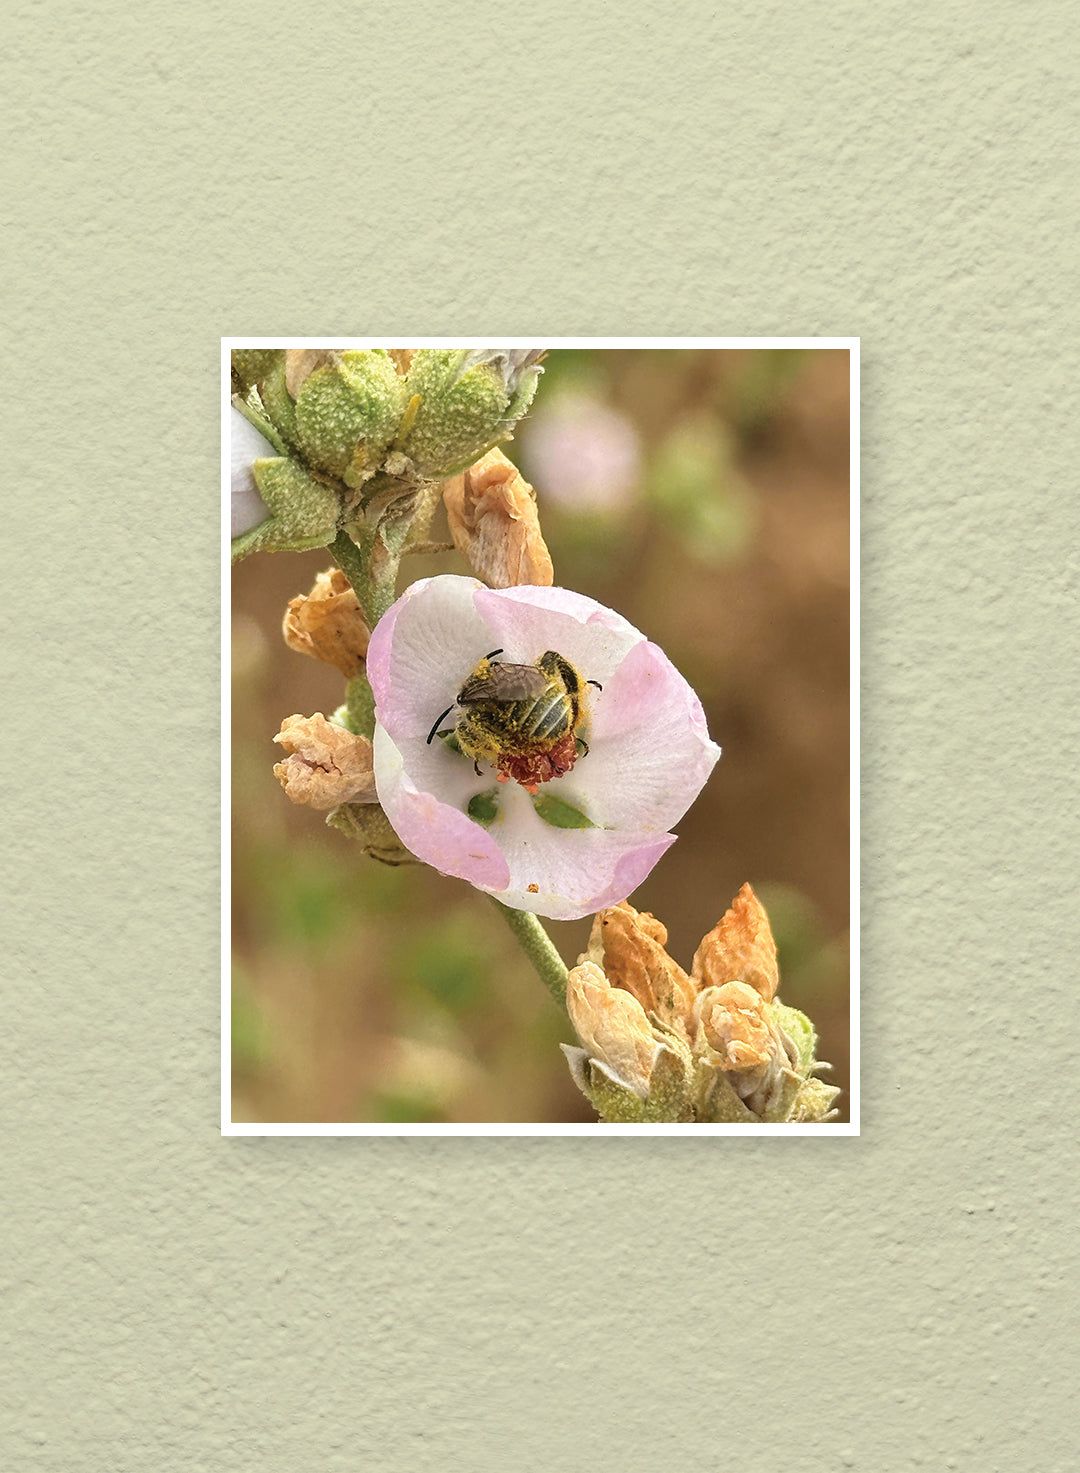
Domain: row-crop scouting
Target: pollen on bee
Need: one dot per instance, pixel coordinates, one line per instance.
(502, 777)
(530, 787)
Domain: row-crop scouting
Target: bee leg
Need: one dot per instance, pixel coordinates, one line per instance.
(584, 744)
(476, 769)
(596, 683)
(435, 728)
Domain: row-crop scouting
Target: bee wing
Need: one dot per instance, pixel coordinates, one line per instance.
(504, 683)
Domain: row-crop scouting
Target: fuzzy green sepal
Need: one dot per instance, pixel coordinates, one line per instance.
(278, 402)
(799, 1029)
(717, 1101)
(613, 1100)
(483, 808)
(669, 1086)
(814, 1100)
(303, 512)
(559, 814)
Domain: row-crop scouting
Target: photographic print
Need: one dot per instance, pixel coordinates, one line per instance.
(540, 736)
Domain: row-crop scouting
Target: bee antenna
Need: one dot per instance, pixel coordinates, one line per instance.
(596, 683)
(434, 729)
(493, 654)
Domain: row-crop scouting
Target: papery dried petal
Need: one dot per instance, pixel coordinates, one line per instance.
(612, 1026)
(739, 948)
(327, 624)
(327, 765)
(732, 1021)
(301, 363)
(494, 523)
(511, 363)
(631, 943)
(403, 358)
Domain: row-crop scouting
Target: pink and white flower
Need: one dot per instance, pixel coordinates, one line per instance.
(649, 752)
(583, 453)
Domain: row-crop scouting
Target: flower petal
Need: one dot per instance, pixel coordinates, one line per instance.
(246, 445)
(563, 874)
(530, 619)
(435, 831)
(568, 873)
(649, 748)
(423, 650)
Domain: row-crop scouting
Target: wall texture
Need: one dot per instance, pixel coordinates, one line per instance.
(188, 1304)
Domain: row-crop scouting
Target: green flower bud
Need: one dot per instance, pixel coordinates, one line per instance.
(348, 411)
(468, 401)
(370, 827)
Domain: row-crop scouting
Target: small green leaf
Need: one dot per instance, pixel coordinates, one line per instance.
(484, 808)
(560, 814)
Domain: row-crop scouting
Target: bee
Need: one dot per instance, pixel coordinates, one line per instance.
(522, 718)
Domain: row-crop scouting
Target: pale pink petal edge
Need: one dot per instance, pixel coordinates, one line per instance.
(440, 835)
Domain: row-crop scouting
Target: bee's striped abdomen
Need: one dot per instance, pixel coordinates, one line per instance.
(549, 715)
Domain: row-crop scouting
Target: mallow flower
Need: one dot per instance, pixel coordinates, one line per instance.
(532, 742)
(585, 454)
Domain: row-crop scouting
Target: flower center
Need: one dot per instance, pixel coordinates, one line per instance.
(523, 719)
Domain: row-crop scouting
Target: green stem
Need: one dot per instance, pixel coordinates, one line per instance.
(539, 948)
(351, 562)
(375, 594)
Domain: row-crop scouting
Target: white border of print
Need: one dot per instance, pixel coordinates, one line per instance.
(228, 1127)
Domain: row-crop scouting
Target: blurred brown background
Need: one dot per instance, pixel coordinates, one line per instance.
(703, 494)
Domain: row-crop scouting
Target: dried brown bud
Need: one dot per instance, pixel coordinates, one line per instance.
(629, 945)
(738, 1033)
(739, 948)
(733, 1021)
(327, 765)
(403, 358)
(328, 625)
(612, 1026)
(494, 523)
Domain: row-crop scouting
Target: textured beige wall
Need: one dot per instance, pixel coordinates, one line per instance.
(186, 1304)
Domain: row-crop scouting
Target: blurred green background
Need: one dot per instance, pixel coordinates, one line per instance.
(704, 494)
